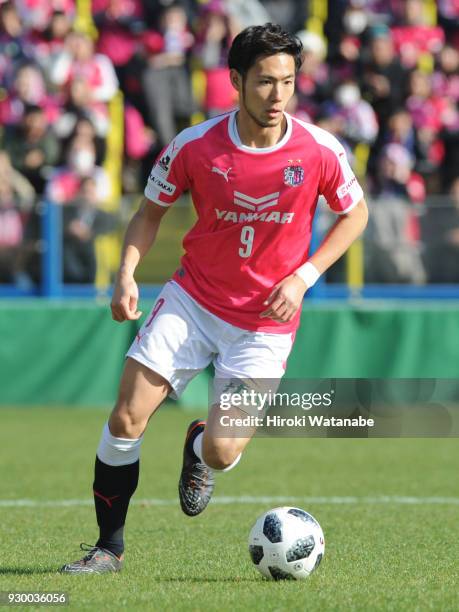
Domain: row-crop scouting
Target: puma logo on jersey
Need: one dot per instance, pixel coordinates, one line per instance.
(222, 172)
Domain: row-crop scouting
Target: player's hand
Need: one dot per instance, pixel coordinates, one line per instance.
(125, 299)
(285, 299)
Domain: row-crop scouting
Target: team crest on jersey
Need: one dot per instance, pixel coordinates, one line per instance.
(293, 175)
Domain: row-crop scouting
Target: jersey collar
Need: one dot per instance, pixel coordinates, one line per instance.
(234, 136)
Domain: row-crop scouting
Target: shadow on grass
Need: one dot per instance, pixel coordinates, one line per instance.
(27, 571)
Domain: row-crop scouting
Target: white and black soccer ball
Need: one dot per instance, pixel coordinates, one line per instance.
(286, 543)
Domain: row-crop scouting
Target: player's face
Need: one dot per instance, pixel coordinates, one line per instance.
(267, 88)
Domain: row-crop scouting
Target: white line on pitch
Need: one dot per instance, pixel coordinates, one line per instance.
(242, 499)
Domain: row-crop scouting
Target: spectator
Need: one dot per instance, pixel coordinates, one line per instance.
(121, 24)
(345, 47)
(32, 147)
(428, 113)
(413, 38)
(37, 14)
(393, 251)
(166, 82)
(154, 10)
(80, 103)
(84, 129)
(384, 80)
(15, 44)
(440, 232)
(400, 130)
(78, 61)
(11, 232)
(445, 80)
(83, 221)
(360, 122)
(29, 261)
(23, 192)
(29, 89)
(450, 140)
(448, 17)
(313, 85)
(293, 108)
(65, 183)
(215, 31)
(396, 175)
(122, 28)
(332, 121)
(140, 148)
(51, 42)
(390, 257)
(425, 108)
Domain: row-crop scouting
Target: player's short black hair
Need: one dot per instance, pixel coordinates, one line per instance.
(263, 41)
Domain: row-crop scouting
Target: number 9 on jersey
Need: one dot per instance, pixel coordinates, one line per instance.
(247, 234)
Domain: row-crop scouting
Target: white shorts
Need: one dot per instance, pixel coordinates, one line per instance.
(179, 338)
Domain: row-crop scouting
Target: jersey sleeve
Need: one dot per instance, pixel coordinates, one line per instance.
(338, 182)
(168, 178)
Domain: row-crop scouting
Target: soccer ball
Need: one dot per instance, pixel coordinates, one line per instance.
(286, 543)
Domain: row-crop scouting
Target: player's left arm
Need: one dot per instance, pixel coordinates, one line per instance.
(287, 296)
(346, 229)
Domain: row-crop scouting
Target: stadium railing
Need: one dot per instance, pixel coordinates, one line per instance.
(430, 222)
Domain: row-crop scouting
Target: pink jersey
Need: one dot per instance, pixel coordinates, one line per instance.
(255, 208)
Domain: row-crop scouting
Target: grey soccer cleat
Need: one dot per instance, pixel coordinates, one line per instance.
(197, 481)
(97, 561)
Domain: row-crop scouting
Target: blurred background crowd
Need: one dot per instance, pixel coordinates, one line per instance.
(90, 92)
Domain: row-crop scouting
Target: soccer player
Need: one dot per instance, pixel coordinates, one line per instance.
(255, 175)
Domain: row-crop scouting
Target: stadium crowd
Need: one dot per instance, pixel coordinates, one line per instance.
(383, 77)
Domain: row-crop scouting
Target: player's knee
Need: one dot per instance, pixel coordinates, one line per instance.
(125, 424)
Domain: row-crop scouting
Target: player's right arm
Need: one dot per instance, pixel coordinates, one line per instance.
(140, 236)
(167, 181)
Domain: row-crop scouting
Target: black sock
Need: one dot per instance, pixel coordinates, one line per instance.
(113, 488)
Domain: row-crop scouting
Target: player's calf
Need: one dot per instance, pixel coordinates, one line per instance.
(219, 454)
(223, 441)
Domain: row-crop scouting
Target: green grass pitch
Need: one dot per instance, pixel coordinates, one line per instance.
(391, 536)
